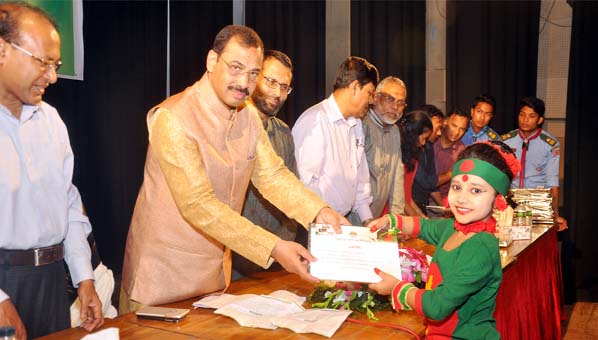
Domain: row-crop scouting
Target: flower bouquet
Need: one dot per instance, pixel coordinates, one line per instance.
(414, 266)
(357, 296)
(348, 296)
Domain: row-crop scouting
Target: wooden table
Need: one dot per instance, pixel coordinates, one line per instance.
(204, 324)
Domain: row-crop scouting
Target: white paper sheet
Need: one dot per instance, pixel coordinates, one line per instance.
(352, 255)
(320, 321)
(220, 300)
(111, 333)
(278, 309)
(256, 311)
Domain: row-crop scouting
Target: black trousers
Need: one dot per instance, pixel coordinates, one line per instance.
(39, 295)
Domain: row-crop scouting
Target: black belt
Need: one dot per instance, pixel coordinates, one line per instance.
(32, 257)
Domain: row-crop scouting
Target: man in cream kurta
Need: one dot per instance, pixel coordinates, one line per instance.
(202, 154)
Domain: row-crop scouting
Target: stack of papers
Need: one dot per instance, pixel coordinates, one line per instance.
(540, 201)
(278, 309)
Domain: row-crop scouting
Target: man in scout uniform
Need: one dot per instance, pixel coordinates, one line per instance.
(481, 113)
(538, 151)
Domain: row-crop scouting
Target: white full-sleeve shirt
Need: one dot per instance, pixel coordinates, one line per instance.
(40, 206)
(331, 160)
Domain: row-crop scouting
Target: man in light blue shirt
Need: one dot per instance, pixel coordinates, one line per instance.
(538, 151)
(481, 112)
(41, 215)
(329, 141)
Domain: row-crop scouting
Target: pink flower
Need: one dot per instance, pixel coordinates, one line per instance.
(413, 262)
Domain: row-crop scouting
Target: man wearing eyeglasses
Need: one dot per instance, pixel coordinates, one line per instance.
(329, 141)
(42, 220)
(383, 147)
(482, 112)
(203, 151)
(270, 94)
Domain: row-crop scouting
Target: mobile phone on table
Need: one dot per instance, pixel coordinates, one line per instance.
(162, 313)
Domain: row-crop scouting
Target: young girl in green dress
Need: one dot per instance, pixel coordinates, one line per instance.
(464, 276)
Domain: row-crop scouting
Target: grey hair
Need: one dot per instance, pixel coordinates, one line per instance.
(390, 79)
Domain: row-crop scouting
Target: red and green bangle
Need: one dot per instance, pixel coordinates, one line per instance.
(396, 224)
(399, 295)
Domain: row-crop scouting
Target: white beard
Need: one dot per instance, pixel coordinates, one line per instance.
(389, 122)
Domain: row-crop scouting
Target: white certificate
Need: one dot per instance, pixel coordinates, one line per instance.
(352, 255)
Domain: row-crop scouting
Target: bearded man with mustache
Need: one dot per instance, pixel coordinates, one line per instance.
(270, 94)
(383, 147)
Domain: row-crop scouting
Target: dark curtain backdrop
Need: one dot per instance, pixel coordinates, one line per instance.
(391, 35)
(125, 75)
(581, 159)
(193, 26)
(296, 28)
(492, 47)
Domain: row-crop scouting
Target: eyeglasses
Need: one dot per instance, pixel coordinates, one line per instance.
(44, 65)
(392, 100)
(274, 84)
(237, 70)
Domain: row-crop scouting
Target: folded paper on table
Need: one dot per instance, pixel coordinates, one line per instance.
(257, 311)
(111, 333)
(319, 321)
(216, 301)
(278, 309)
(352, 255)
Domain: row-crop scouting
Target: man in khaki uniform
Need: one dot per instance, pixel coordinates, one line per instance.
(202, 154)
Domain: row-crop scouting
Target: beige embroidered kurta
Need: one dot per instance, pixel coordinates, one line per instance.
(200, 159)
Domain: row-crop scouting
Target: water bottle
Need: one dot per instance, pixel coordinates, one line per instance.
(7, 333)
(519, 215)
(529, 218)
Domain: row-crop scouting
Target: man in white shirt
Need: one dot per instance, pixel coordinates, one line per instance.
(41, 215)
(329, 141)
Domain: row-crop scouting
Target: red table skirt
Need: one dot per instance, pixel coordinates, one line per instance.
(529, 304)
